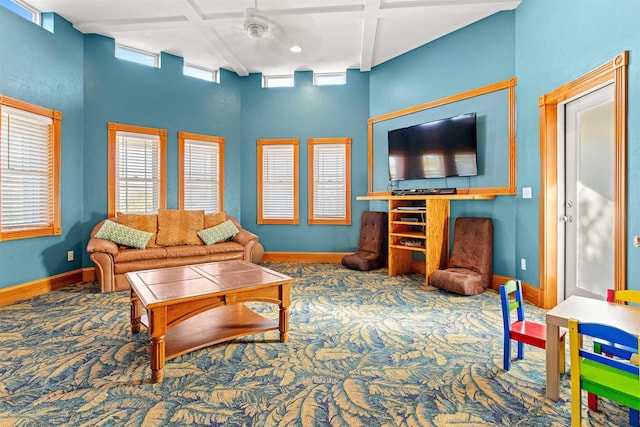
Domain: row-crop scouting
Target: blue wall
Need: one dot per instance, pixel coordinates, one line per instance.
(305, 111)
(46, 69)
(558, 41)
(477, 55)
(125, 92)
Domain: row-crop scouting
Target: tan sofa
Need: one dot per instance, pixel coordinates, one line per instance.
(113, 261)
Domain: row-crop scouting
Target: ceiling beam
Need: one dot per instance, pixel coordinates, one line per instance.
(369, 31)
(195, 16)
(508, 4)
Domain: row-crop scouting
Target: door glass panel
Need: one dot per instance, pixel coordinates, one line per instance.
(589, 205)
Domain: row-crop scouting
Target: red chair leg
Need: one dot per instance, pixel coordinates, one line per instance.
(592, 401)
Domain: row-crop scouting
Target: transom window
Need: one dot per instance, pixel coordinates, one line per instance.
(136, 169)
(29, 170)
(23, 9)
(200, 73)
(201, 172)
(325, 79)
(137, 55)
(329, 181)
(278, 181)
(278, 81)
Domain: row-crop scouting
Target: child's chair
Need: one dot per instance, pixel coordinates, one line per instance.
(523, 331)
(616, 350)
(609, 377)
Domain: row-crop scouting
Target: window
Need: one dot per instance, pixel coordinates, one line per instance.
(324, 79)
(200, 73)
(136, 169)
(278, 181)
(200, 172)
(29, 170)
(329, 181)
(278, 81)
(23, 9)
(137, 55)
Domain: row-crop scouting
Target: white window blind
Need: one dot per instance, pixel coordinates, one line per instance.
(329, 181)
(202, 175)
(26, 167)
(137, 172)
(278, 182)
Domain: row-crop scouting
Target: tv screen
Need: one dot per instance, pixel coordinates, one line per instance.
(437, 149)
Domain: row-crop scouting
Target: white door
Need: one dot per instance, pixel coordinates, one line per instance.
(587, 205)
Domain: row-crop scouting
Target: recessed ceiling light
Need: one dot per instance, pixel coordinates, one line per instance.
(295, 49)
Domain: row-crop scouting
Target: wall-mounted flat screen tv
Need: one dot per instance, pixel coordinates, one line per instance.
(437, 149)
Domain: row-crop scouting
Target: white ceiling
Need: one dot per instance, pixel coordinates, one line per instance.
(334, 34)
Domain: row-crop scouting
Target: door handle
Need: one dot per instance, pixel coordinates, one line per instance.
(566, 218)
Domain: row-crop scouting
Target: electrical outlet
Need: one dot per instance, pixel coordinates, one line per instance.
(636, 241)
(523, 264)
(69, 256)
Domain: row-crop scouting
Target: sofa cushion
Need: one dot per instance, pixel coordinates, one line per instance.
(224, 247)
(129, 255)
(144, 222)
(185, 250)
(179, 227)
(123, 235)
(218, 233)
(211, 220)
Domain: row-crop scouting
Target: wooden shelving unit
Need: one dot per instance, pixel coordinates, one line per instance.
(423, 219)
(418, 226)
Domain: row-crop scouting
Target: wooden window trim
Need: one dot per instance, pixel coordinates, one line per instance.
(182, 136)
(111, 180)
(310, 191)
(55, 228)
(296, 214)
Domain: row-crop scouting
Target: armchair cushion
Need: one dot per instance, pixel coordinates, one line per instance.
(469, 270)
(123, 235)
(372, 247)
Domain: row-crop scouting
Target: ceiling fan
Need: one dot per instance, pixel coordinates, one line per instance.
(290, 34)
(256, 25)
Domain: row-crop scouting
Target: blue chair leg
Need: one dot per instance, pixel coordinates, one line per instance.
(520, 350)
(506, 361)
(633, 417)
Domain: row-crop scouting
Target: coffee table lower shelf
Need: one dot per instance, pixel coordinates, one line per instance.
(211, 327)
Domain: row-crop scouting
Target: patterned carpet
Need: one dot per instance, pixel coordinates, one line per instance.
(364, 350)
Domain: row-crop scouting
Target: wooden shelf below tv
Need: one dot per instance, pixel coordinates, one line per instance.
(428, 221)
(430, 197)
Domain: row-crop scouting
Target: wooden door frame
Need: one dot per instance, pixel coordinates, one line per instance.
(614, 71)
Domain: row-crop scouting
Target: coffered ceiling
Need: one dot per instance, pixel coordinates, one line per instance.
(334, 34)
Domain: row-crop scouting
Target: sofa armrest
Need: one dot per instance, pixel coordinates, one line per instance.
(102, 245)
(244, 236)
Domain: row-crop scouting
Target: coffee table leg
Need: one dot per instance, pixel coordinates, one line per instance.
(136, 313)
(284, 323)
(285, 298)
(157, 331)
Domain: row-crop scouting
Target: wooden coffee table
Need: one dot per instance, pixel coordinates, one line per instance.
(195, 306)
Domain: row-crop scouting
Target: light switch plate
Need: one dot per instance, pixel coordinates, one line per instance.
(526, 193)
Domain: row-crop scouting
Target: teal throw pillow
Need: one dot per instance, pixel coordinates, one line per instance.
(218, 233)
(123, 235)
